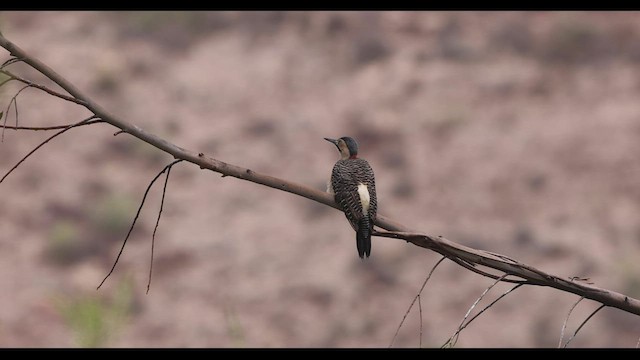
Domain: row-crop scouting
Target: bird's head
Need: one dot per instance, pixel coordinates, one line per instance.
(347, 147)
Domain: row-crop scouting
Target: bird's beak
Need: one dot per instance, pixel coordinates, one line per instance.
(334, 141)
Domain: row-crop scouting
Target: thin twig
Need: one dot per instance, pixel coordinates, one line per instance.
(486, 308)
(451, 342)
(581, 325)
(471, 267)
(9, 62)
(153, 236)
(420, 310)
(414, 299)
(81, 123)
(566, 320)
(45, 89)
(14, 101)
(44, 128)
(135, 219)
(490, 305)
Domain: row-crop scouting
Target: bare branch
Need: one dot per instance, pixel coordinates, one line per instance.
(460, 261)
(45, 128)
(43, 88)
(414, 300)
(135, 219)
(153, 236)
(510, 266)
(199, 159)
(581, 325)
(566, 320)
(86, 121)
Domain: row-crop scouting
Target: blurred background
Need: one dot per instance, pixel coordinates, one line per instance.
(514, 132)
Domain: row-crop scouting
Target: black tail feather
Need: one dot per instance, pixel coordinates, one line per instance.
(363, 237)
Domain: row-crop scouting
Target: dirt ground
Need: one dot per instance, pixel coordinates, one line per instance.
(515, 132)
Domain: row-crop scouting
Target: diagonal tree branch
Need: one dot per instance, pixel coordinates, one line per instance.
(510, 266)
(462, 255)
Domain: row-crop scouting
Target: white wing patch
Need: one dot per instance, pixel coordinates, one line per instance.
(363, 191)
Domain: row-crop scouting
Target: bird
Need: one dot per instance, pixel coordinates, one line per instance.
(354, 188)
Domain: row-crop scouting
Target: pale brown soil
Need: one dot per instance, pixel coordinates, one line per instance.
(513, 132)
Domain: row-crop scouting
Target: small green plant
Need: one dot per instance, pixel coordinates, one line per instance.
(4, 79)
(94, 319)
(234, 328)
(113, 214)
(63, 247)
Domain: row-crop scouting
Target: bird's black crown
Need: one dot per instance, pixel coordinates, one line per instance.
(351, 144)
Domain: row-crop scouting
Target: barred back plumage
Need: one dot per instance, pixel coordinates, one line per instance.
(346, 176)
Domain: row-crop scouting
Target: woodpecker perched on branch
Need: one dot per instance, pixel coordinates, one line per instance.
(353, 185)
